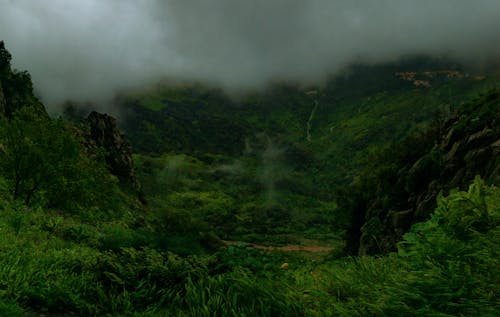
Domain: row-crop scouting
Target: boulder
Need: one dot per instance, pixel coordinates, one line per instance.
(105, 134)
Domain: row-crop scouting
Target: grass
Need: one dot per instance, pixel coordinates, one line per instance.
(436, 272)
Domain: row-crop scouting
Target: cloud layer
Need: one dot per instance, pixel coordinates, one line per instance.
(87, 50)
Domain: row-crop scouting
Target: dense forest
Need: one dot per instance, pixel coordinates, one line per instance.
(373, 195)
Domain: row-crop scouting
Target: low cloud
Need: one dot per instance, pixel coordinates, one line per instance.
(88, 50)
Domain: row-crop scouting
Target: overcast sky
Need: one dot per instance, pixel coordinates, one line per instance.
(89, 49)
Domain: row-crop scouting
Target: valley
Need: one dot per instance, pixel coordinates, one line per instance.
(375, 194)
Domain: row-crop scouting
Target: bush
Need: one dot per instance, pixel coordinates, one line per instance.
(454, 255)
(446, 266)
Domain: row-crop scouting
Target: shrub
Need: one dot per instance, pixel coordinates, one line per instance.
(446, 266)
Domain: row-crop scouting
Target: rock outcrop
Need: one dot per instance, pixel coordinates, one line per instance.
(105, 134)
(467, 144)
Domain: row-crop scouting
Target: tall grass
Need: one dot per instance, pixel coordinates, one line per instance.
(446, 266)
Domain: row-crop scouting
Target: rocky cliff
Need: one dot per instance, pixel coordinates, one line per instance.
(457, 148)
(104, 132)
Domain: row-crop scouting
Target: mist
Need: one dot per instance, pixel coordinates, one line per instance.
(89, 50)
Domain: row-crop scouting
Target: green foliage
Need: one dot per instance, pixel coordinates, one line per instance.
(41, 271)
(45, 164)
(34, 151)
(11, 309)
(455, 255)
(236, 198)
(115, 236)
(261, 264)
(366, 286)
(255, 149)
(186, 118)
(5, 57)
(73, 243)
(406, 176)
(16, 88)
(446, 266)
(237, 293)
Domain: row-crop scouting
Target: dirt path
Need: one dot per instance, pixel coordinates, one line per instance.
(286, 248)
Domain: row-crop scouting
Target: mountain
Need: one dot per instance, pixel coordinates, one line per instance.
(289, 148)
(215, 205)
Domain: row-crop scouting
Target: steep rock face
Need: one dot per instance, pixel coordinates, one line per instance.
(467, 144)
(104, 133)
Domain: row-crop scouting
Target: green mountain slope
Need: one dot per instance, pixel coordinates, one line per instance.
(280, 156)
(76, 240)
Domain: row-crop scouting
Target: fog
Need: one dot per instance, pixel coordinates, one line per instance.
(87, 50)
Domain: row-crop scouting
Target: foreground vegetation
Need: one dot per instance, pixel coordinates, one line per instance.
(446, 266)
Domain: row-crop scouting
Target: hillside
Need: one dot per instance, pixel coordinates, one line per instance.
(281, 157)
(215, 206)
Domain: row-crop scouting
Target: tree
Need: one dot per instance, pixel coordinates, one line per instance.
(16, 88)
(36, 151)
(45, 164)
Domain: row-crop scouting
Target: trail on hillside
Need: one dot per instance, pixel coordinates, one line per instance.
(286, 248)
